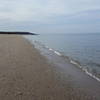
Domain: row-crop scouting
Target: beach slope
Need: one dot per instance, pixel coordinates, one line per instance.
(26, 75)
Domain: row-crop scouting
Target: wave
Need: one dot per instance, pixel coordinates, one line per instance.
(76, 63)
(56, 52)
(85, 70)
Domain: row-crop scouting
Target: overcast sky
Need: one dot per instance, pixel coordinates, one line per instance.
(50, 16)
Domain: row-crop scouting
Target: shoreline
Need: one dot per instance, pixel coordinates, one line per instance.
(25, 75)
(72, 61)
(88, 78)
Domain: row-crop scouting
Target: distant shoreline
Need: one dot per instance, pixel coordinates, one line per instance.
(18, 33)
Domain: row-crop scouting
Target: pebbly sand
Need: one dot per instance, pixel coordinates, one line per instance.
(26, 75)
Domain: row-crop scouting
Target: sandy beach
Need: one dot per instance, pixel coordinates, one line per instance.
(26, 75)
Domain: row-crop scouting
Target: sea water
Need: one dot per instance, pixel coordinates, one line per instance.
(82, 49)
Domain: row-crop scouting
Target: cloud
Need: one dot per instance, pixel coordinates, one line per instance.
(41, 10)
(50, 15)
(23, 10)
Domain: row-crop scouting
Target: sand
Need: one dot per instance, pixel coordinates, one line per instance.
(26, 75)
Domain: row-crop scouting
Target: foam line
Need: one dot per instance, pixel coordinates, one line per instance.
(90, 74)
(85, 70)
(57, 53)
(50, 49)
(71, 61)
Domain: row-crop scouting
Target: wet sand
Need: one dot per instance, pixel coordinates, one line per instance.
(26, 75)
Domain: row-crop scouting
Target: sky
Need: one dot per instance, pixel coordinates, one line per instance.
(50, 16)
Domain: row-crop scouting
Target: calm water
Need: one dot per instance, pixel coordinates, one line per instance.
(82, 48)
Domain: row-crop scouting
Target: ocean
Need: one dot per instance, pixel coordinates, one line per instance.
(83, 50)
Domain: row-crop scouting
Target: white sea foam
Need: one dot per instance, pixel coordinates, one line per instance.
(71, 61)
(90, 74)
(75, 63)
(85, 70)
(50, 49)
(56, 52)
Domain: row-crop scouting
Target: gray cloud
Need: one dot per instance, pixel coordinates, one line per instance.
(61, 15)
(22, 10)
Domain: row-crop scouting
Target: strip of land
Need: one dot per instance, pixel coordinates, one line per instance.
(17, 33)
(26, 75)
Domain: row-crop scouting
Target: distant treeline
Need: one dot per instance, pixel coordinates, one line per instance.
(18, 33)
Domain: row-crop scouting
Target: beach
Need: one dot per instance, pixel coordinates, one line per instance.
(27, 75)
